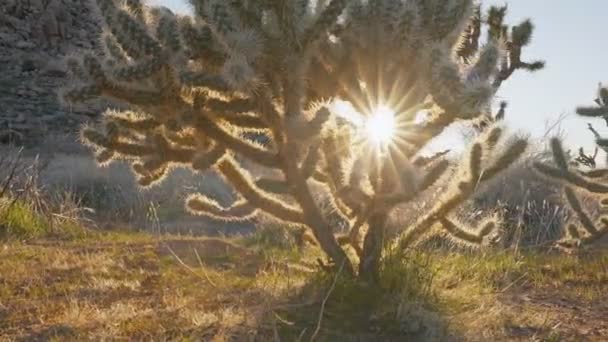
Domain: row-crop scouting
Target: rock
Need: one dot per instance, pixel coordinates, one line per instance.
(55, 69)
(50, 118)
(35, 35)
(7, 38)
(25, 45)
(19, 119)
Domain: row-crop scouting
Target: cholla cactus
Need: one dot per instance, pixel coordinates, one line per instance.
(589, 181)
(312, 77)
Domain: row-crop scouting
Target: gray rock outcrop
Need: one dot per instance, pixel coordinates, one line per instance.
(35, 35)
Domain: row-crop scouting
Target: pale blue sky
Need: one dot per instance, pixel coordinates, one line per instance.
(572, 37)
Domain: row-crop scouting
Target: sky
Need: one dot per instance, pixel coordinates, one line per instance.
(571, 36)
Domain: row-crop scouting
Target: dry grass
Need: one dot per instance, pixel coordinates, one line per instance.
(131, 286)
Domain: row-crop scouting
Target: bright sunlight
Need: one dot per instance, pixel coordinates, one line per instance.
(380, 126)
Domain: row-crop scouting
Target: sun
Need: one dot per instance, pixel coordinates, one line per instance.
(380, 126)
(376, 129)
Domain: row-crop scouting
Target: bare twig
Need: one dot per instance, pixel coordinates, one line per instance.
(200, 262)
(513, 283)
(331, 289)
(190, 268)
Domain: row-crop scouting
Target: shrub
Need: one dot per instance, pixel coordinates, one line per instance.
(324, 85)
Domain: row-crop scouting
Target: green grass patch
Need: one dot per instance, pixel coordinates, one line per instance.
(497, 271)
(19, 220)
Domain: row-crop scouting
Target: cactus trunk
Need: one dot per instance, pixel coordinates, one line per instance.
(369, 267)
(314, 219)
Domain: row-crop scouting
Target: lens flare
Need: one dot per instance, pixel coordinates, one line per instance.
(380, 126)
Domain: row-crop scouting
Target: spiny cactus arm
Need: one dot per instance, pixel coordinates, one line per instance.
(454, 198)
(521, 36)
(595, 173)
(231, 106)
(124, 148)
(204, 80)
(559, 156)
(104, 86)
(216, 15)
(251, 16)
(448, 21)
(251, 123)
(508, 157)
(475, 166)
(104, 156)
(335, 153)
(136, 8)
(240, 211)
(422, 161)
(114, 52)
(241, 181)
(469, 44)
(132, 95)
(337, 196)
(603, 231)
(307, 169)
(130, 33)
(185, 138)
(132, 120)
(465, 235)
(354, 235)
(571, 178)
(140, 70)
(487, 62)
(167, 30)
(492, 138)
(149, 178)
(433, 174)
(428, 130)
(311, 160)
(324, 22)
(313, 127)
(205, 160)
(247, 149)
(601, 108)
(594, 230)
(461, 190)
(462, 98)
(198, 41)
(578, 209)
(81, 93)
(273, 186)
(564, 174)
